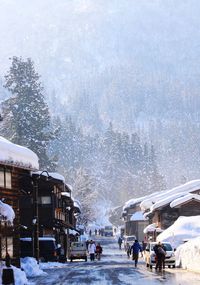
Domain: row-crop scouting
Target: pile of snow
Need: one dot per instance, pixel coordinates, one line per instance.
(19, 275)
(152, 228)
(31, 267)
(188, 255)
(6, 212)
(19, 156)
(184, 228)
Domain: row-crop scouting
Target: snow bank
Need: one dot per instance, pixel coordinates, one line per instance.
(184, 228)
(31, 268)
(188, 255)
(6, 212)
(16, 155)
(19, 275)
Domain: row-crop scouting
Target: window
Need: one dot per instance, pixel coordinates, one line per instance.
(6, 242)
(5, 178)
(45, 200)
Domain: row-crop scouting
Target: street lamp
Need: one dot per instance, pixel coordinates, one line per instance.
(35, 221)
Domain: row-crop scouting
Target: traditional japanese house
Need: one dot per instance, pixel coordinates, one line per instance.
(183, 200)
(54, 204)
(15, 162)
(134, 219)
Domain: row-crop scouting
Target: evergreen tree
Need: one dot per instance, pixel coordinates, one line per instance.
(26, 115)
(83, 191)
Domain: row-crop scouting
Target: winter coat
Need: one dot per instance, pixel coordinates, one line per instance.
(99, 249)
(91, 248)
(159, 250)
(119, 240)
(136, 248)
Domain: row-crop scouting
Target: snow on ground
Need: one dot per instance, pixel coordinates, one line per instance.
(31, 268)
(184, 235)
(19, 275)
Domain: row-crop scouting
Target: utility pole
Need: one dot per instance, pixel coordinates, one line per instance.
(35, 237)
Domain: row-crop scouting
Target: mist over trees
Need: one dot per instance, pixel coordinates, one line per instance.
(142, 76)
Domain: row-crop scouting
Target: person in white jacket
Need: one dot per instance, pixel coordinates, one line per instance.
(91, 250)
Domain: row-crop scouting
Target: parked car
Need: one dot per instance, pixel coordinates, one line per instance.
(149, 255)
(78, 250)
(47, 248)
(108, 231)
(128, 241)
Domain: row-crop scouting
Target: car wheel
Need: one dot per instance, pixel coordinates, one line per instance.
(71, 259)
(174, 266)
(169, 266)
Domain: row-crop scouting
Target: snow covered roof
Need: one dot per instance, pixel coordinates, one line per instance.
(152, 228)
(77, 204)
(184, 199)
(138, 216)
(54, 175)
(66, 194)
(6, 212)
(183, 228)
(133, 202)
(18, 156)
(69, 186)
(160, 199)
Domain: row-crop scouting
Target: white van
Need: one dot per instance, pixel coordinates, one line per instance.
(128, 241)
(149, 255)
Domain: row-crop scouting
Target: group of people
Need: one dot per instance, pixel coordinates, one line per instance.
(136, 248)
(94, 250)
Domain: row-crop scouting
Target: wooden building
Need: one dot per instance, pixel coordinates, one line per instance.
(55, 207)
(15, 162)
(134, 220)
(187, 203)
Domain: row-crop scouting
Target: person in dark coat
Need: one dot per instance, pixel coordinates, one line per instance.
(120, 242)
(160, 252)
(135, 249)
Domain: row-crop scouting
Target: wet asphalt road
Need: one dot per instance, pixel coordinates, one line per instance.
(113, 268)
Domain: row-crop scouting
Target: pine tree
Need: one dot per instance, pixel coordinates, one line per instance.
(83, 190)
(26, 115)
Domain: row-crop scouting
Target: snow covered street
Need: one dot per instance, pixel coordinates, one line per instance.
(114, 268)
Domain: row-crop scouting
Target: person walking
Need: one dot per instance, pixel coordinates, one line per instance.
(135, 249)
(128, 250)
(91, 250)
(120, 242)
(160, 252)
(99, 251)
